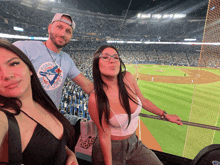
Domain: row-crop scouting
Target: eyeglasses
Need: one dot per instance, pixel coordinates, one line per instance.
(107, 57)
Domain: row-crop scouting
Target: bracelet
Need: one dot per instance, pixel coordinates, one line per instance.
(163, 115)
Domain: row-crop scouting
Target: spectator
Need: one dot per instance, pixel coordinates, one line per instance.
(20, 88)
(116, 94)
(51, 63)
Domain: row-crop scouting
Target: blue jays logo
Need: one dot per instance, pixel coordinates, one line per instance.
(50, 75)
(215, 162)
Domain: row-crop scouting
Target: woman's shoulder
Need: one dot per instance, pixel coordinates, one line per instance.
(3, 116)
(3, 123)
(4, 113)
(129, 76)
(92, 104)
(3, 136)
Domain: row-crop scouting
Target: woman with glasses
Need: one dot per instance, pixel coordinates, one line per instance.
(32, 130)
(114, 107)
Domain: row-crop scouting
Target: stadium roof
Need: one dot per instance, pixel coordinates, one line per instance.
(193, 8)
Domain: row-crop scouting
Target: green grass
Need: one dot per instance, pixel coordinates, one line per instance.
(215, 71)
(178, 99)
(131, 68)
(171, 137)
(205, 110)
(156, 70)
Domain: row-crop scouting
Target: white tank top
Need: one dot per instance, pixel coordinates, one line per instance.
(120, 121)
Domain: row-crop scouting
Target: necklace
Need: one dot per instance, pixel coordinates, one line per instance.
(59, 68)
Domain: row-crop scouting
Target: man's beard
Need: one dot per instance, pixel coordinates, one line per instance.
(52, 38)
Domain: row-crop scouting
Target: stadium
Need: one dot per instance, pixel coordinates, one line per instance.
(174, 57)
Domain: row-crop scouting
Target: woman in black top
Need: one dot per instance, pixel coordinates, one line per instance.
(32, 131)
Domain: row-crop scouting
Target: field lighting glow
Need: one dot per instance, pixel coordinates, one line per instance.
(157, 16)
(48, 0)
(4, 35)
(144, 15)
(160, 16)
(165, 43)
(18, 29)
(190, 39)
(176, 16)
(168, 16)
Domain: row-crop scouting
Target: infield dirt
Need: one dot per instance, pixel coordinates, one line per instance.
(198, 77)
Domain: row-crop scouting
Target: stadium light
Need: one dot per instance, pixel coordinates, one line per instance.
(4, 35)
(120, 42)
(139, 15)
(157, 16)
(143, 15)
(18, 29)
(168, 16)
(134, 42)
(48, 0)
(190, 39)
(165, 43)
(176, 16)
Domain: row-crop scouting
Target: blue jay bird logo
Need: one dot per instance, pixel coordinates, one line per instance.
(215, 162)
(50, 76)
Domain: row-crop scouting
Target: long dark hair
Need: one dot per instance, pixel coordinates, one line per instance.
(39, 95)
(101, 97)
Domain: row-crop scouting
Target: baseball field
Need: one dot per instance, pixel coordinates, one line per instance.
(191, 93)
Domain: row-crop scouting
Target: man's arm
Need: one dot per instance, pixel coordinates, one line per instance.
(84, 83)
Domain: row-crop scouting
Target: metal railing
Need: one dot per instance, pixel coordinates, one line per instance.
(184, 122)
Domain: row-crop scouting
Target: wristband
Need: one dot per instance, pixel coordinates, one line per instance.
(163, 115)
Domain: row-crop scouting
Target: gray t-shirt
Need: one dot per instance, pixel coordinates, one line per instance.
(47, 70)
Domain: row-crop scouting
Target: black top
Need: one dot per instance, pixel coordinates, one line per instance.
(43, 148)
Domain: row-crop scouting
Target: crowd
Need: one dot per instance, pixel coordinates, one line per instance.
(95, 25)
(74, 100)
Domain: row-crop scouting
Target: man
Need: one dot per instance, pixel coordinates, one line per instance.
(52, 64)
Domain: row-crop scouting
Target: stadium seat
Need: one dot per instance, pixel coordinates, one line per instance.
(209, 155)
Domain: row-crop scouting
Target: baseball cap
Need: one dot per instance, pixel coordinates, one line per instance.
(58, 17)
